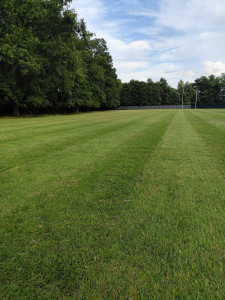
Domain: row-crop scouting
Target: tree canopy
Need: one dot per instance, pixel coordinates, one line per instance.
(211, 90)
(148, 93)
(50, 62)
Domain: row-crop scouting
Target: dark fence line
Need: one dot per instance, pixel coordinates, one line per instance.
(202, 106)
(192, 106)
(153, 107)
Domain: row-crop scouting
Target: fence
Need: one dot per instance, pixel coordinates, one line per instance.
(208, 106)
(154, 107)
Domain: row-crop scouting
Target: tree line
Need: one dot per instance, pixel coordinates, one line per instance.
(148, 93)
(50, 62)
(210, 90)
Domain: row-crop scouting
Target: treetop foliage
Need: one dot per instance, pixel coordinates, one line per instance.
(148, 93)
(210, 90)
(50, 62)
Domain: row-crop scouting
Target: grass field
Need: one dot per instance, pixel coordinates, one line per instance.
(113, 205)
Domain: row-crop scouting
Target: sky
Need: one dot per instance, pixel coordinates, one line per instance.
(173, 39)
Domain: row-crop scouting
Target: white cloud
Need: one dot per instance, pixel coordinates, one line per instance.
(146, 40)
(134, 51)
(190, 74)
(90, 10)
(165, 70)
(215, 68)
(201, 15)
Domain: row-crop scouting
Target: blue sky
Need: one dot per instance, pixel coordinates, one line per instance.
(174, 39)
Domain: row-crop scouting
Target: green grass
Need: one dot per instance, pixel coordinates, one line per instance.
(113, 205)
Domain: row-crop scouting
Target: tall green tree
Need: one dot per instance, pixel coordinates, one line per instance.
(164, 91)
(36, 51)
(187, 90)
(148, 93)
(49, 61)
(210, 89)
(125, 96)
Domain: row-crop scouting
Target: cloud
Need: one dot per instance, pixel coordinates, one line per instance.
(186, 15)
(165, 70)
(215, 68)
(146, 38)
(89, 10)
(135, 51)
(190, 74)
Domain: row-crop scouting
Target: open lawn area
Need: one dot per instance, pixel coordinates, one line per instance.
(113, 205)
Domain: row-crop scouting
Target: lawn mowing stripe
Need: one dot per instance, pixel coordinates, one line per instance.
(144, 220)
(81, 125)
(210, 116)
(46, 129)
(40, 150)
(62, 234)
(36, 123)
(169, 242)
(58, 169)
(212, 133)
(45, 121)
(219, 112)
(36, 133)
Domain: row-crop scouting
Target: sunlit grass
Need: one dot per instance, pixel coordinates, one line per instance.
(113, 205)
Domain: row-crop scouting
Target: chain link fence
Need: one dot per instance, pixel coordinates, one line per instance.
(154, 107)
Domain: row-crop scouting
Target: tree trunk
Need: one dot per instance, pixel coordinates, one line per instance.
(77, 109)
(16, 111)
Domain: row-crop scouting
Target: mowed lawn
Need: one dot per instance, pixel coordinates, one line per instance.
(113, 205)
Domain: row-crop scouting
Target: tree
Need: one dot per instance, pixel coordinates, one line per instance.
(36, 51)
(49, 61)
(148, 93)
(209, 89)
(222, 88)
(125, 96)
(164, 91)
(180, 89)
(189, 93)
(100, 74)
